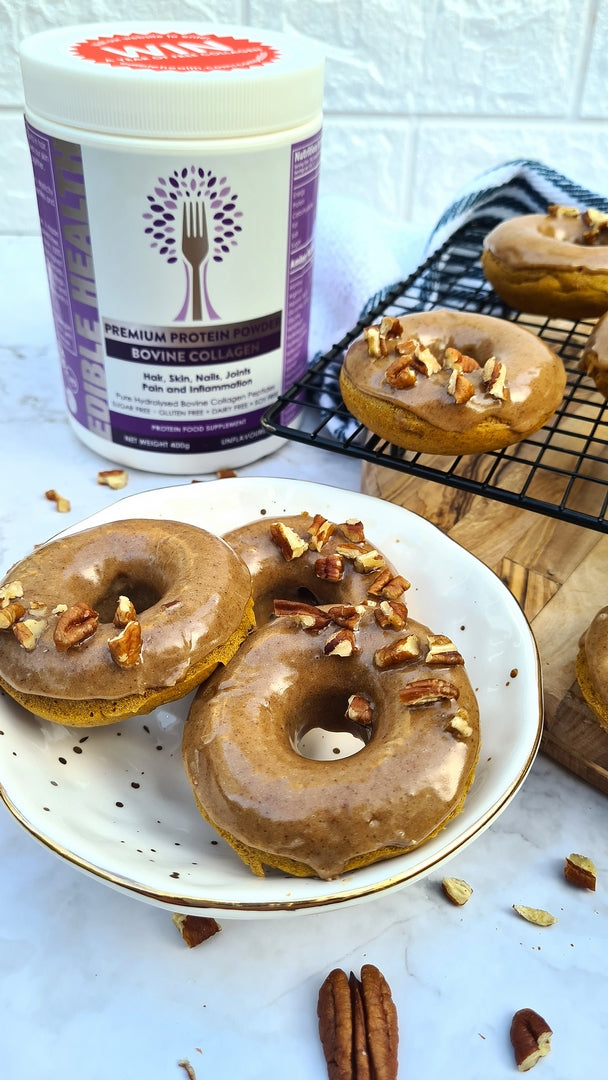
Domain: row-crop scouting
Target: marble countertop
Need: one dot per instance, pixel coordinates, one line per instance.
(98, 985)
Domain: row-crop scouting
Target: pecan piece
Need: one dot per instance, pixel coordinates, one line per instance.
(125, 612)
(358, 1026)
(329, 567)
(402, 651)
(320, 531)
(453, 358)
(376, 345)
(10, 614)
(306, 616)
(195, 928)
(125, 647)
(359, 709)
(391, 613)
(442, 651)
(113, 478)
(345, 615)
(287, 540)
(457, 891)
(538, 916)
(368, 561)
(389, 586)
(28, 631)
(63, 505)
(493, 378)
(75, 625)
(459, 387)
(427, 691)
(530, 1038)
(459, 725)
(579, 870)
(13, 590)
(400, 374)
(342, 643)
(425, 361)
(352, 530)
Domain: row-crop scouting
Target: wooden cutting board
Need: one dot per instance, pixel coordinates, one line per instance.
(557, 571)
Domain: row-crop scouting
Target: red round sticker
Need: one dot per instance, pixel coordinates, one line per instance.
(172, 51)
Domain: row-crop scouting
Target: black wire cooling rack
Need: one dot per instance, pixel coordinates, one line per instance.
(561, 471)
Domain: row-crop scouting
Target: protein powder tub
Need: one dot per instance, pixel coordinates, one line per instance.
(176, 169)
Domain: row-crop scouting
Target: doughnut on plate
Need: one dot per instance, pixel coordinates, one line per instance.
(115, 802)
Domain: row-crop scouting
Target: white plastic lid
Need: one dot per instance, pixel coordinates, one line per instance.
(172, 79)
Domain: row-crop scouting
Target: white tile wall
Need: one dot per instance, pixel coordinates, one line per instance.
(421, 95)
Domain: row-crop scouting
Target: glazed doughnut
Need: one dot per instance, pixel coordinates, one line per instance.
(592, 666)
(594, 359)
(390, 677)
(451, 382)
(552, 264)
(308, 557)
(117, 619)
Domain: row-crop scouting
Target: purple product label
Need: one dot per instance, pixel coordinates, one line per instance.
(62, 206)
(304, 184)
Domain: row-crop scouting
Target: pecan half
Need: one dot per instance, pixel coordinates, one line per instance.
(427, 691)
(345, 615)
(329, 567)
(530, 1038)
(358, 1026)
(75, 625)
(125, 647)
(306, 616)
(287, 540)
(195, 928)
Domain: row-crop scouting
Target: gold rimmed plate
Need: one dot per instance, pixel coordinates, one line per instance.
(115, 802)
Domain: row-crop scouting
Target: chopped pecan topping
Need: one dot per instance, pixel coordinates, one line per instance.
(125, 612)
(358, 1026)
(390, 328)
(330, 567)
(359, 709)
(320, 531)
(10, 614)
(352, 530)
(400, 373)
(75, 625)
(195, 928)
(28, 631)
(391, 614)
(125, 647)
(342, 643)
(493, 378)
(306, 616)
(425, 361)
(459, 387)
(348, 550)
(402, 651)
(427, 691)
(538, 916)
(459, 724)
(389, 586)
(376, 345)
(555, 210)
(442, 651)
(113, 478)
(347, 615)
(287, 540)
(453, 358)
(13, 590)
(367, 561)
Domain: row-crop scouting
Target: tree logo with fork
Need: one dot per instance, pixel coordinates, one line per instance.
(192, 219)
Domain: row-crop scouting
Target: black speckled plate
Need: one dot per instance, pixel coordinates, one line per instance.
(114, 801)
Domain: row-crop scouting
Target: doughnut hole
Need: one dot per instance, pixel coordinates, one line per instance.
(321, 731)
(143, 589)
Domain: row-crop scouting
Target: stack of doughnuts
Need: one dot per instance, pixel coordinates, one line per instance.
(357, 659)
